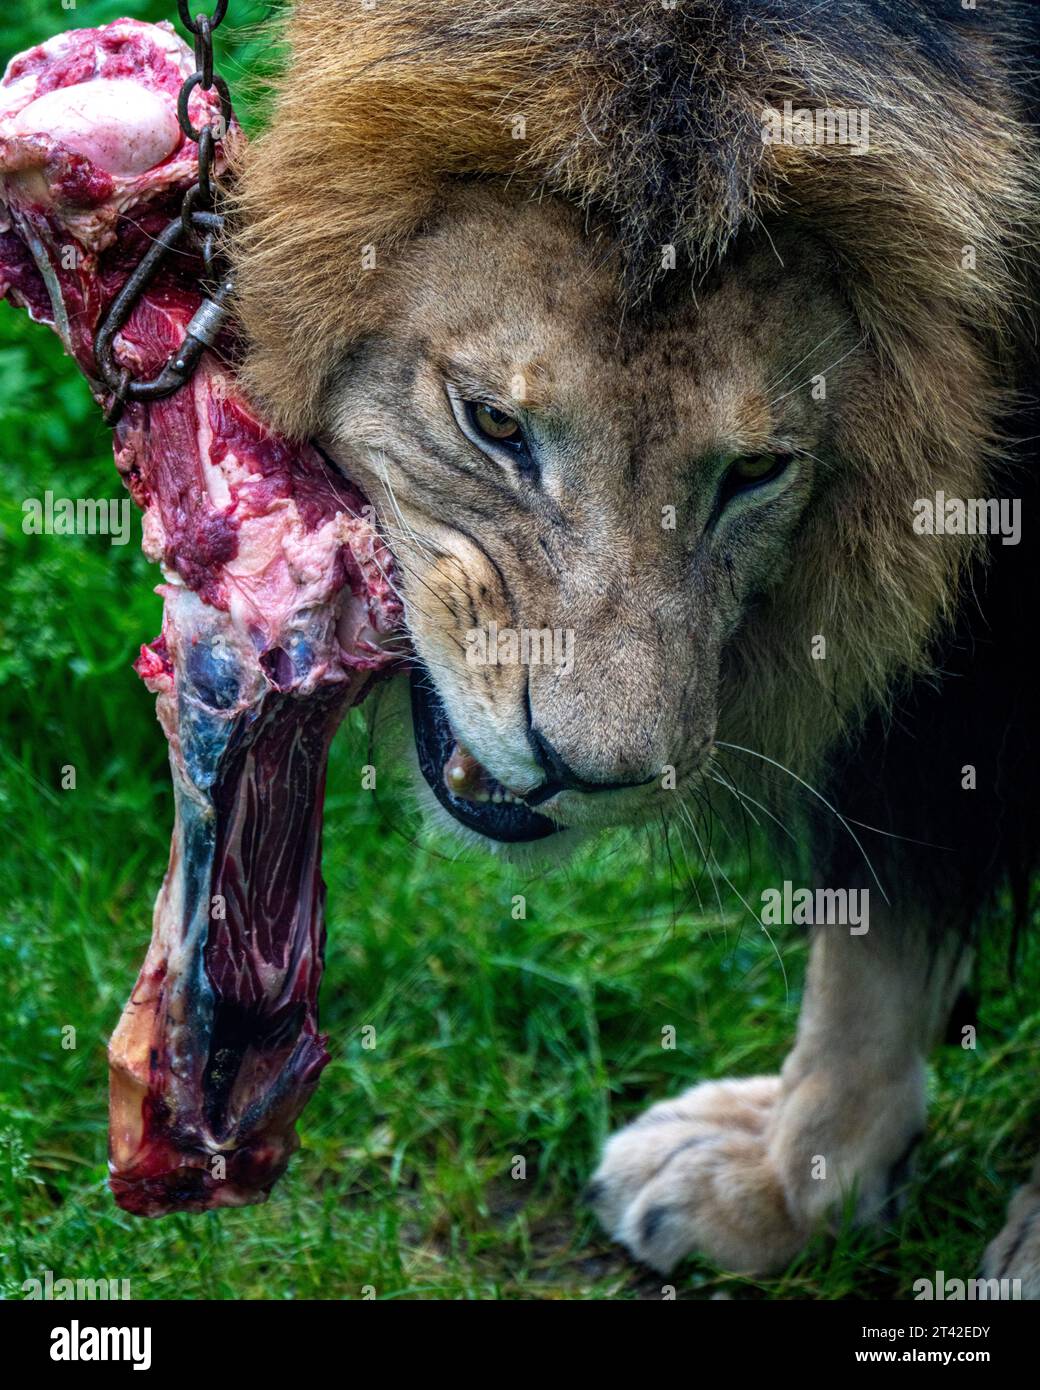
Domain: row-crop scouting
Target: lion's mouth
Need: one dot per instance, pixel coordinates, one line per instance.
(478, 800)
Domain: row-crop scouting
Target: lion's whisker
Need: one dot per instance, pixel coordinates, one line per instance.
(773, 386)
(756, 917)
(744, 796)
(736, 747)
(823, 370)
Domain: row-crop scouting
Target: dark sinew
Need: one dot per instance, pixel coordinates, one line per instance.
(277, 607)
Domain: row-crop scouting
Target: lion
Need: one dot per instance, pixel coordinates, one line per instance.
(644, 361)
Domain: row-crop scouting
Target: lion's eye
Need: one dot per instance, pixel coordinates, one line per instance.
(495, 433)
(495, 425)
(751, 471)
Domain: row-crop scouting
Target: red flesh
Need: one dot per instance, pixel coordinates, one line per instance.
(277, 604)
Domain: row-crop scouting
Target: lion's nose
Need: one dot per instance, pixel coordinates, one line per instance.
(560, 776)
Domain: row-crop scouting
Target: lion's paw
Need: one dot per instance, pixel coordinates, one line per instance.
(693, 1174)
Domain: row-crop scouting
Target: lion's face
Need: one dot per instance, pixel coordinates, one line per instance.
(584, 505)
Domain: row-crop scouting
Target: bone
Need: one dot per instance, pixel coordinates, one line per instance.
(278, 606)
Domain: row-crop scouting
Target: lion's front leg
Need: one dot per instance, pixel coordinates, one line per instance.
(1014, 1256)
(745, 1171)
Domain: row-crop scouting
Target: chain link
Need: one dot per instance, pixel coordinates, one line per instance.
(198, 224)
(212, 20)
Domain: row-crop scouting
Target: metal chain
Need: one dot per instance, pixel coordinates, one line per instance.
(198, 224)
(200, 197)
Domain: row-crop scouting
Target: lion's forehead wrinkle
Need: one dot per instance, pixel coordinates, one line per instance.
(479, 367)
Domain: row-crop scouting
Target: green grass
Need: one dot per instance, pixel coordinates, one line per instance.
(494, 1037)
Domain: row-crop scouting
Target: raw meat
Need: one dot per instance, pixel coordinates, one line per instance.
(278, 606)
